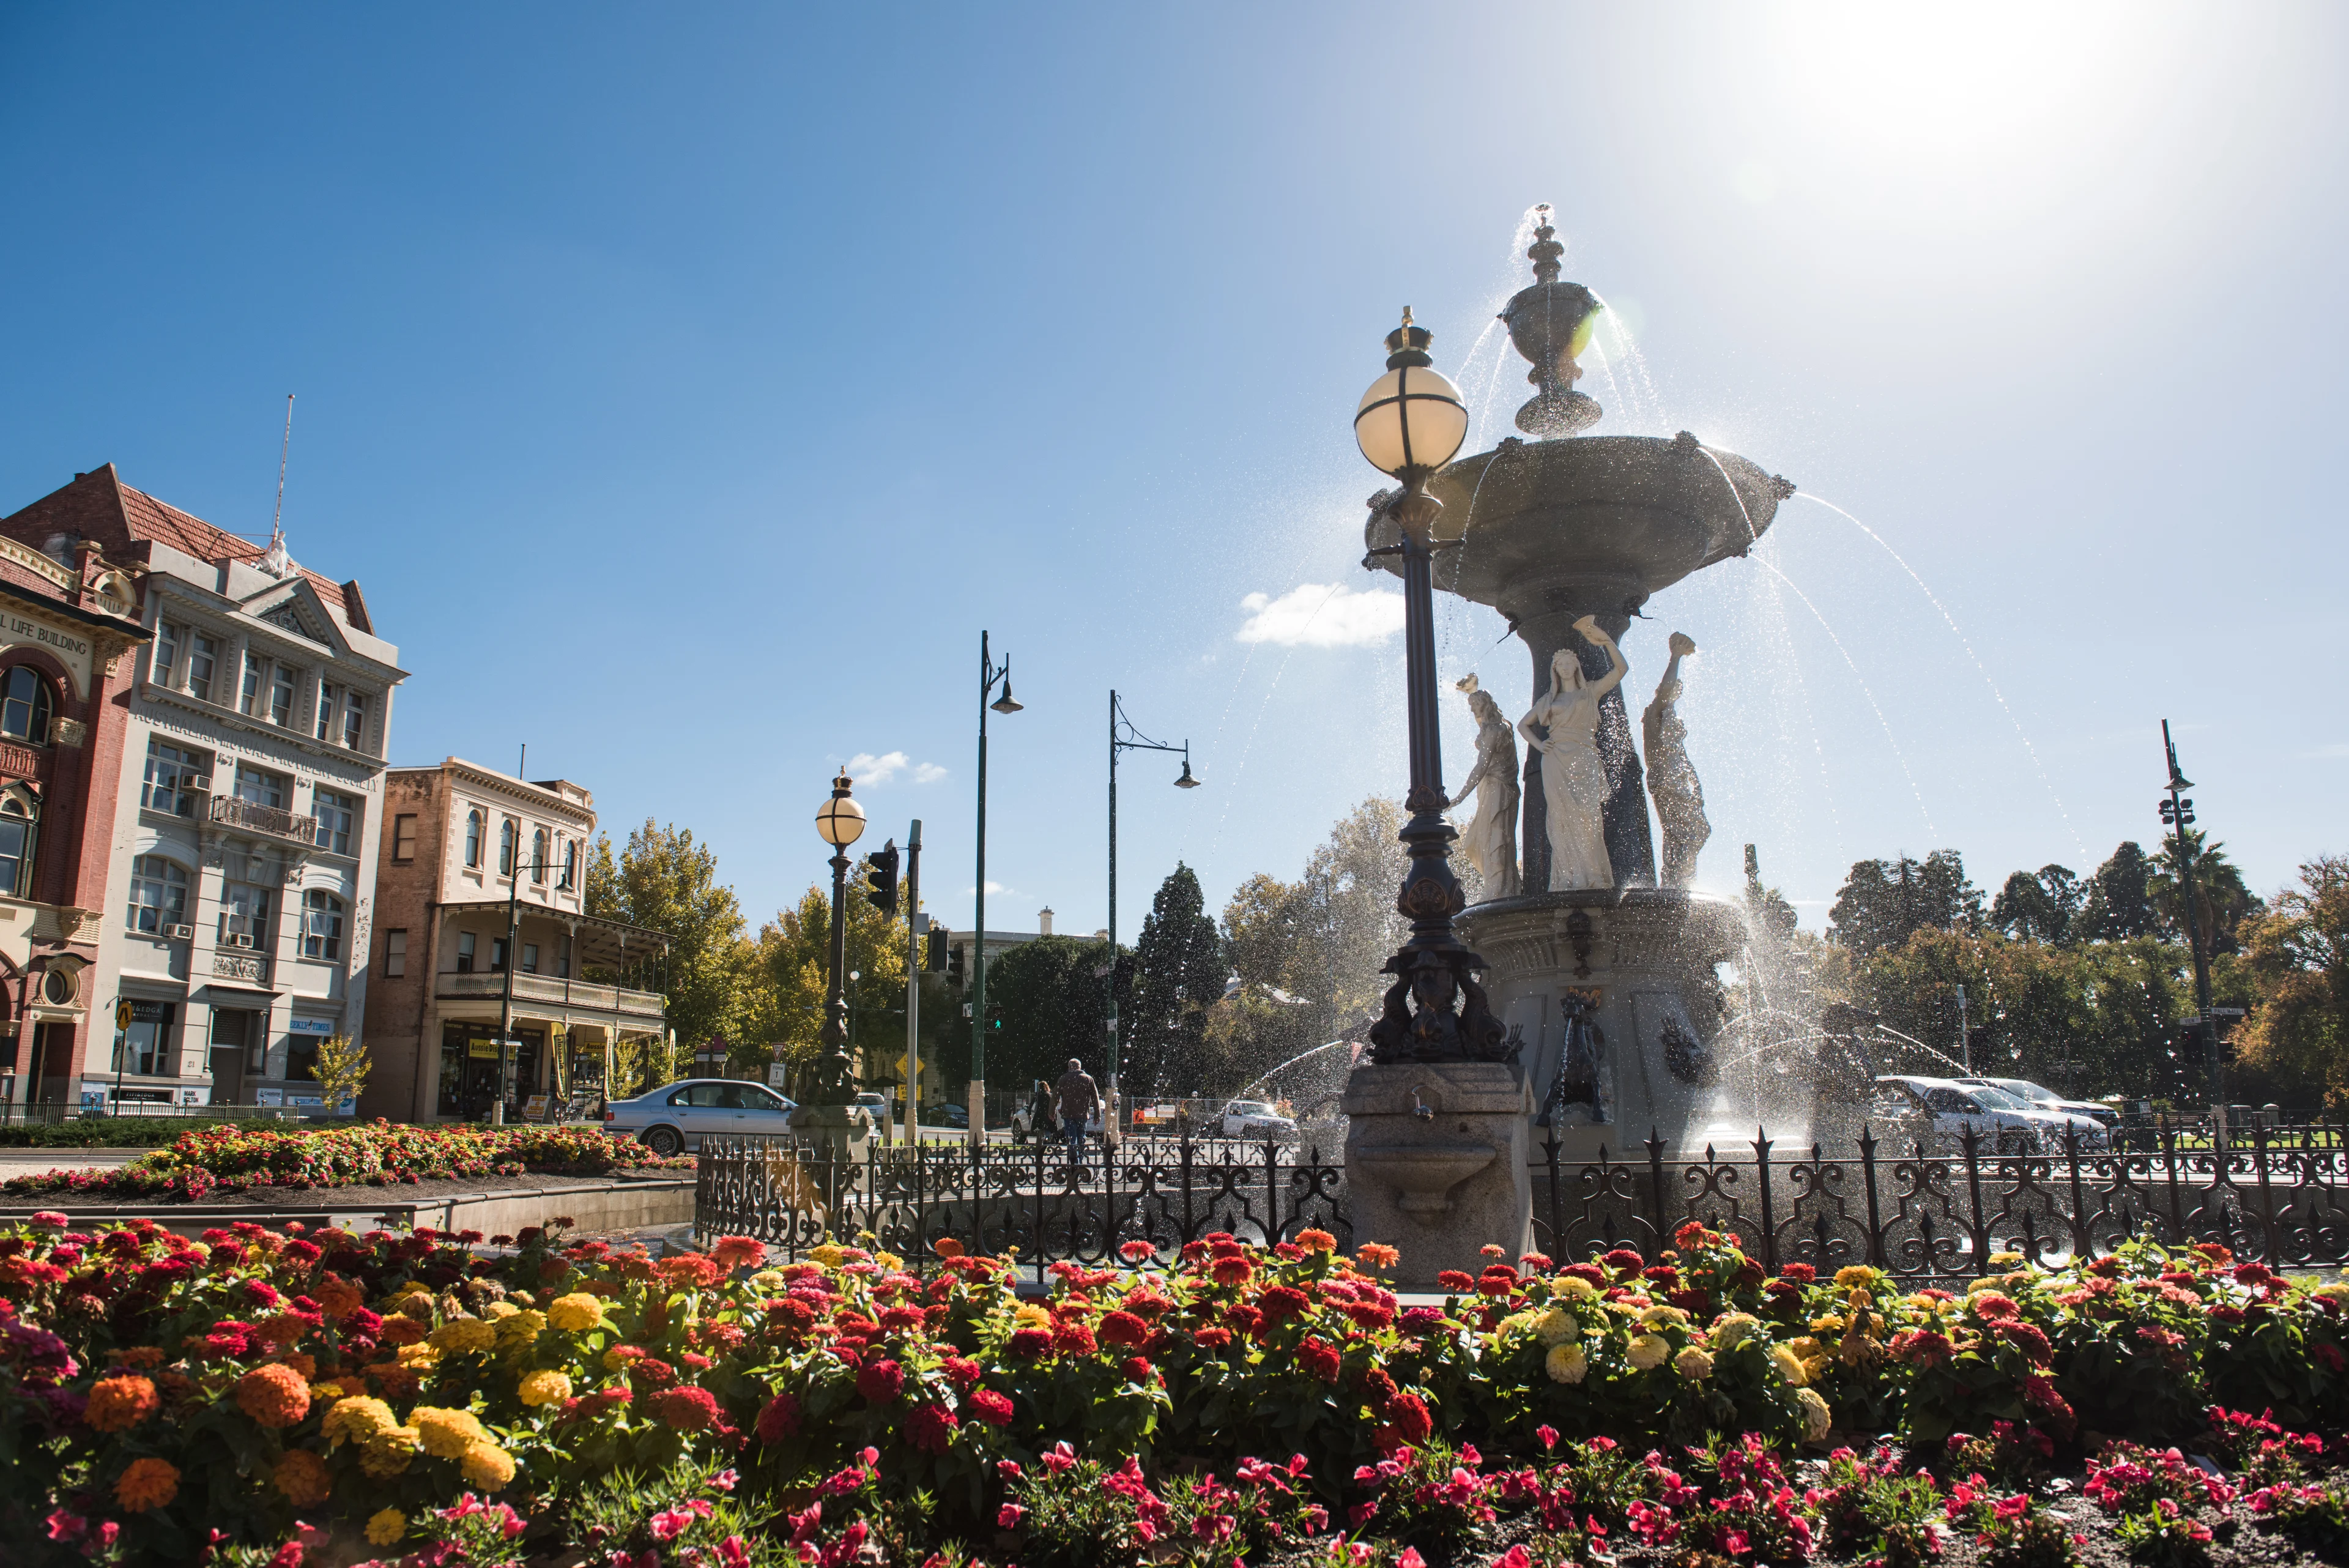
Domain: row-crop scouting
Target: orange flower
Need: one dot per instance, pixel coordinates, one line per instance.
(121, 1402)
(148, 1483)
(273, 1395)
(1317, 1240)
(140, 1356)
(402, 1331)
(283, 1328)
(302, 1362)
(1378, 1255)
(302, 1476)
(338, 1298)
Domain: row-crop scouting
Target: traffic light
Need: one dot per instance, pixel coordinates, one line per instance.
(2178, 814)
(954, 968)
(881, 878)
(934, 954)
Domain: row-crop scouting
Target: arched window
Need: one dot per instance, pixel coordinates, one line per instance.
(506, 847)
(322, 925)
(25, 706)
(538, 856)
(569, 863)
(20, 822)
(473, 839)
(159, 896)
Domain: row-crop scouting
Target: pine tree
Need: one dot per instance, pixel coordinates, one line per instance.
(2118, 906)
(1179, 974)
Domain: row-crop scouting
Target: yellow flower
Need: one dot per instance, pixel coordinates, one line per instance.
(890, 1260)
(1789, 1365)
(615, 1362)
(827, 1254)
(462, 1337)
(356, 1417)
(577, 1312)
(2335, 1291)
(1566, 1364)
(516, 1331)
(1572, 1285)
(1031, 1316)
(419, 1357)
(488, 1465)
(1693, 1362)
(1998, 1261)
(387, 1526)
(1830, 1324)
(1816, 1417)
(1815, 1367)
(1647, 1350)
(447, 1434)
(1734, 1330)
(544, 1388)
(1854, 1276)
(765, 1280)
(1657, 1316)
(497, 1310)
(1806, 1346)
(1557, 1326)
(1981, 1285)
(385, 1454)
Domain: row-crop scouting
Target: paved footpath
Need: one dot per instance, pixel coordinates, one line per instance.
(32, 1161)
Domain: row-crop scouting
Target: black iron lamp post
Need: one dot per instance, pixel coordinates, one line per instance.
(989, 676)
(1409, 424)
(2177, 815)
(1124, 737)
(839, 822)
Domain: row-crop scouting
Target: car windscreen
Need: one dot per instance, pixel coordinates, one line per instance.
(2000, 1100)
(2024, 1089)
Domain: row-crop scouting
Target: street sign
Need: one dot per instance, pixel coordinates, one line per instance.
(122, 1014)
(2226, 1012)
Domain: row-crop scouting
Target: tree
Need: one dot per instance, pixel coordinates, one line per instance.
(1178, 972)
(1884, 902)
(1048, 1005)
(1349, 913)
(2040, 907)
(2297, 953)
(341, 1068)
(2118, 908)
(2221, 898)
(667, 882)
(792, 960)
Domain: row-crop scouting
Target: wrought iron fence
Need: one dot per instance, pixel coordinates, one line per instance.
(2280, 1196)
(796, 1191)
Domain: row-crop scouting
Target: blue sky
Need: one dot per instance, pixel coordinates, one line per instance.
(688, 387)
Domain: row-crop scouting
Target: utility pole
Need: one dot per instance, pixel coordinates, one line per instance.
(1965, 1035)
(2178, 814)
(915, 921)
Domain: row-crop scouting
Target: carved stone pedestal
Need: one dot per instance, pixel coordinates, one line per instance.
(837, 1139)
(1436, 1163)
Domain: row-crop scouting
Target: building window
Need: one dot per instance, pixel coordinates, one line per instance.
(325, 711)
(159, 896)
(25, 706)
(395, 954)
(322, 925)
(473, 839)
(354, 719)
(167, 638)
(260, 788)
(248, 700)
(333, 813)
(497, 955)
(507, 835)
(301, 1054)
(465, 952)
(403, 836)
(173, 776)
(530, 958)
(281, 697)
(145, 1047)
(538, 857)
(244, 916)
(200, 659)
(20, 819)
(570, 862)
(59, 986)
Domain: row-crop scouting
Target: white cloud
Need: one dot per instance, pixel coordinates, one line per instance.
(992, 888)
(867, 769)
(1322, 616)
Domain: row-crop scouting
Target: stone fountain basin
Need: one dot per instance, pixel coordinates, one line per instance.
(1422, 1175)
(1642, 510)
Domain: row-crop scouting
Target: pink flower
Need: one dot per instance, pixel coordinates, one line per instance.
(1549, 1436)
(734, 1552)
(670, 1523)
(1008, 1516)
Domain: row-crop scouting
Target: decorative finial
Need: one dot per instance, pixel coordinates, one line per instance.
(1466, 682)
(1407, 344)
(1546, 251)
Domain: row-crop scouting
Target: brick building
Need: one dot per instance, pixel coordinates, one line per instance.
(234, 864)
(463, 841)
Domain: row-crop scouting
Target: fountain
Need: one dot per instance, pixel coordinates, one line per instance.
(1603, 973)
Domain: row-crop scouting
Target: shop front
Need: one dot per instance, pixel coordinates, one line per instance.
(470, 1084)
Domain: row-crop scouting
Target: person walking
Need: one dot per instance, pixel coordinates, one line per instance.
(1080, 1098)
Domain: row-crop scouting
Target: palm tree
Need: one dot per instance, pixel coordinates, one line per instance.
(2221, 898)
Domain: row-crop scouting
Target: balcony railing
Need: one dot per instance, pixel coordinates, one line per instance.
(543, 988)
(235, 811)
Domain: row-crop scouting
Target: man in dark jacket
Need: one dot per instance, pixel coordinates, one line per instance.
(1080, 1098)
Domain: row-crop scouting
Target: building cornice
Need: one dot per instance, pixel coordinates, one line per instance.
(228, 718)
(274, 638)
(545, 801)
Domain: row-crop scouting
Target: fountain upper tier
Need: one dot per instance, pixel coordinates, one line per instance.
(1588, 524)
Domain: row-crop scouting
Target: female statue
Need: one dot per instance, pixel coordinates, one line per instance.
(1573, 776)
(1672, 777)
(1491, 841)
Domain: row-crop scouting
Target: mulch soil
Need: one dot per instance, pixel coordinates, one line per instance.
(342, 1200)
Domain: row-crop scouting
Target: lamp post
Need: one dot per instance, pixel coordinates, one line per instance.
(1124, 737)
(513, 958)
(989, 674)
(1409, 424)
(839, 822)
(2177, 814)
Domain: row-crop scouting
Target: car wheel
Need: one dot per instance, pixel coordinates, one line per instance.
(666, 1142)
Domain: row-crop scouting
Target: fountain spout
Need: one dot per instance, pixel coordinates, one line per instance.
(1550, 322)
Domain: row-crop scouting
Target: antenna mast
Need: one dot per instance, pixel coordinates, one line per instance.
(277, 523)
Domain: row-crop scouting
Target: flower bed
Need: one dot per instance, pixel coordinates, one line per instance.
(399, 1394)
(226, 1158)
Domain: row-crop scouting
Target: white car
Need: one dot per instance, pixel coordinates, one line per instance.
(1254, 1118)
(1945, 1108)
(2040, 1097)
(677, 1116)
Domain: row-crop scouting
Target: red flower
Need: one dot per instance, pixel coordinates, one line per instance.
(1232, 1270)
(1319, 1359)
(1281, 1303)
(881, 1381)
(1123, 1328)
(988, 1406)
(1455, 1281)
(1800, 1274)
(688, 1409)
(1138, 1368)
(932, 1428)
(780, 1419)
(1207, 1338)
(1030, 1343)
(2329, 1355)
(1407, 1413)
(1073, 1339)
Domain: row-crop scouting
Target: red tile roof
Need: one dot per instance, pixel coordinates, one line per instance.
(98, 505)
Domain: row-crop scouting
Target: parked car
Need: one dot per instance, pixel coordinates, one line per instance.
(2046, 1099)
(677, 1116)
(1254, 1118)
(1945, 1108)
(876, 1102)
(940, 1113)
